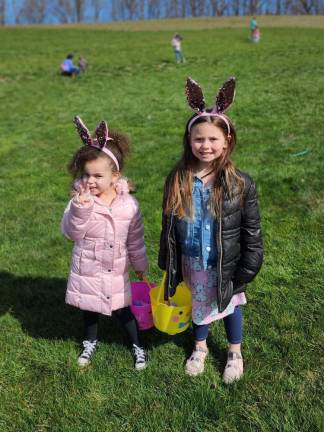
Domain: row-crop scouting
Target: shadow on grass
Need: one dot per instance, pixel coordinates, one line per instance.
(38, 304)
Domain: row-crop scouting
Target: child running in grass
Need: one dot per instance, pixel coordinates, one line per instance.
(211, 235)
(104, 221)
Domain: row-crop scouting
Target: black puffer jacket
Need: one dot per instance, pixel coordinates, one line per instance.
(238, 239)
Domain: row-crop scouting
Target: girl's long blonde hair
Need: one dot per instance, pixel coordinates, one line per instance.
(178, 195)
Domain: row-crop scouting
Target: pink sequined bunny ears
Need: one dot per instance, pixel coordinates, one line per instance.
(101, 137)
(223, 101)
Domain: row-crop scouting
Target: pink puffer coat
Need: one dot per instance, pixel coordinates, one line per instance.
(106, 240)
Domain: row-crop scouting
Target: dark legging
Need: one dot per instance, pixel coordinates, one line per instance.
(233, 328)
(125, 317)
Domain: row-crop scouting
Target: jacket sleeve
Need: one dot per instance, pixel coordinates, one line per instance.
(251, 241)
(75, 220)
(135, 243)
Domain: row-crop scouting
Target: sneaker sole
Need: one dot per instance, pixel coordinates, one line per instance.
(141, 367)
(83, 365)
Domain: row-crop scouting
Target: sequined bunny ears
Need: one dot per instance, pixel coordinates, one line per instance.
(223, 101)
(101, 139)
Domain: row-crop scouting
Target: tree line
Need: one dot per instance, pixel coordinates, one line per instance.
(75, 11)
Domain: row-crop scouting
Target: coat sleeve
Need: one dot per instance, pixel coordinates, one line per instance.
(75, 221)
(135, 243)
(162, 258)
(251, 241)
(163, 244)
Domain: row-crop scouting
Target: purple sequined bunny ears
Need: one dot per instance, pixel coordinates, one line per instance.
(101, 137)
(223, 101)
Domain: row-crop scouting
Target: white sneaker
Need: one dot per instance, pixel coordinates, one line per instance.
(89, 348)
(234, 367)
(140, 357)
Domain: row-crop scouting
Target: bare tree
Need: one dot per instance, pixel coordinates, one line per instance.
(16, 8)
(197, 7)
(286, 6)
(254, 7)
(141, 9)
(33, 11)
(129, 8)
(218, 7)
(79, 9)
(172, 8)
(245, 7)
(2, 12)
(305, 6)
(97, 7)
(114, 10)
(64, 10)
(183, 6)
(154, 8)
(236, 7)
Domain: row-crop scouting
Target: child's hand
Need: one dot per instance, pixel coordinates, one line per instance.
(83, 195)
(140, 275)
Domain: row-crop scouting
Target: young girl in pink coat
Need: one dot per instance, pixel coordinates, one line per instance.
(104, 221)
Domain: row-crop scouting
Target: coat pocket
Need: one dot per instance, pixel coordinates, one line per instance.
(90, 260)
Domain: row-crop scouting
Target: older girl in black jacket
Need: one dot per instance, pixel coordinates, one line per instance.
(211, 235)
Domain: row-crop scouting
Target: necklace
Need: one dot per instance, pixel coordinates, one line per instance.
(205, 175)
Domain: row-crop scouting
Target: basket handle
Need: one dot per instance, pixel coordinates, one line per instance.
(147, 282)
(150, 287)
(161, 289)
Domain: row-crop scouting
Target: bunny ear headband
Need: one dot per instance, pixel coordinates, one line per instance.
(223, 101)
(101, 137)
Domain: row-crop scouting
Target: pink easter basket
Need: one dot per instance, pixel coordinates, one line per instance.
(141, 304)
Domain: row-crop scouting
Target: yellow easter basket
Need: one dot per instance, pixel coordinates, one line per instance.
(174, 316)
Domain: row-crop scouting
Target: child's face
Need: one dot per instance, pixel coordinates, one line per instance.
(207, 142)
(99, 177)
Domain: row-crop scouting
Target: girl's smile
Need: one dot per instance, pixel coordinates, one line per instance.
(99, 177)
(207, 142)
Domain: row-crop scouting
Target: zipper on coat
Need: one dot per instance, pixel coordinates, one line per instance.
(220, 249)
(170, 252)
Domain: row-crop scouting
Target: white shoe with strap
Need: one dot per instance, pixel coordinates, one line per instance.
(196, 363)
(234, 367)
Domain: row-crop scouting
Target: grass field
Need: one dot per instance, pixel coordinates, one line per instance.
(134, 84)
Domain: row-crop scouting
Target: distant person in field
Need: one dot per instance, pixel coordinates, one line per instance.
(83, 64)
(68, 68)
(211, 235)
(256, 35)
(105, 223)
(176, 45)
(253, 26)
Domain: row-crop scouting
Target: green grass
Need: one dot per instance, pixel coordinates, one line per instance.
(134, 84)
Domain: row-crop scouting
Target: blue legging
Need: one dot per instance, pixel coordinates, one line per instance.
(233, 328)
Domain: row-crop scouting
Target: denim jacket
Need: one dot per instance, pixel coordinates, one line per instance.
(197, 236)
